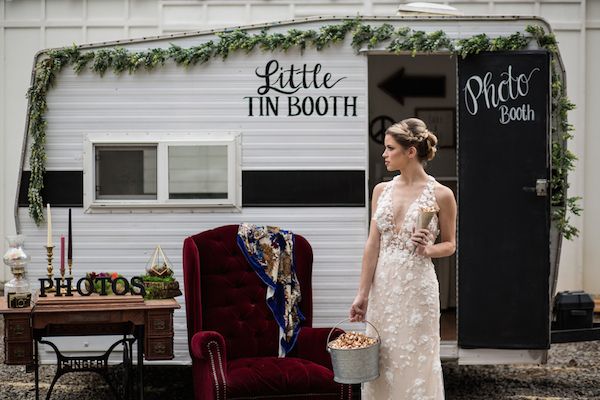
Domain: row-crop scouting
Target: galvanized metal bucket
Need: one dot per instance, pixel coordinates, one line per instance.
(355, 365)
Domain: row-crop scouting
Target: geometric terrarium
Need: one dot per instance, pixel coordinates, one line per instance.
(159, 264)
(159, 280)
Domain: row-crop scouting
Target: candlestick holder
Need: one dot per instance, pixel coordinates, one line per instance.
(50, 269)
(70, 264)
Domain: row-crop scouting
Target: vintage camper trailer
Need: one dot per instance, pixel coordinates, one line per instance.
(200, 135)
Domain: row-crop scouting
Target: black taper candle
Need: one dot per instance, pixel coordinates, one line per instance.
(70, 251)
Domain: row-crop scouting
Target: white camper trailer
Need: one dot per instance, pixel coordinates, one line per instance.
(294, 138)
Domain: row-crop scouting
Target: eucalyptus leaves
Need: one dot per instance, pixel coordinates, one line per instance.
(398, 40)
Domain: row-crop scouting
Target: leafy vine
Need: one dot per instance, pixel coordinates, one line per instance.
(398, 40)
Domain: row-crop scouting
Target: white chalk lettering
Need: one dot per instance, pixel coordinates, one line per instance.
(522, 113)
(481, 91)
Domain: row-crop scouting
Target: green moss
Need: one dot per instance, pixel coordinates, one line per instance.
(150, 278)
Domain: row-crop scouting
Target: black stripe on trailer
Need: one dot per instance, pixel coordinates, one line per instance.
(340, 188)
(61, 188)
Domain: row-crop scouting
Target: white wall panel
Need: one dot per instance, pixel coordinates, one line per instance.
(384, 9)
(63, 10)
(103, 34)
(143, 9)
(227, 15)
(25, 10)
(474, 8)
(561, 12)
(183, 14)
(571, 265)
(514, 8)
(334, 8)
(269, 13)
(19, 47)
(593, 11)
(7, 163)
(591, 230)
(59, 37)
(102, 10)
(142, 31)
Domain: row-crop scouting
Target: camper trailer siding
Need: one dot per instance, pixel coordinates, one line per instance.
(211, 98)
(124, 242)
(208, 99)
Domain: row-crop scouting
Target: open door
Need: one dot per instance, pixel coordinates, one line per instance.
(504, 200)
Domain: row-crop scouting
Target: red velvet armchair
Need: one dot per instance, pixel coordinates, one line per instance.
(233, 337)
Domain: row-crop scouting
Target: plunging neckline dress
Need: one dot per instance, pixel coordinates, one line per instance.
(404, 306)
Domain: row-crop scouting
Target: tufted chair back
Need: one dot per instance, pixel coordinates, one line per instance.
(224, 294)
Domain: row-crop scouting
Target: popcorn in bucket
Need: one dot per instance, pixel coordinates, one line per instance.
(354, 356)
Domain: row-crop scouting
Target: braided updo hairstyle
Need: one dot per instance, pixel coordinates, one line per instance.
(413, 132)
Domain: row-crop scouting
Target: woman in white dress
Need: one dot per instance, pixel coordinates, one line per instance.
(398, 290)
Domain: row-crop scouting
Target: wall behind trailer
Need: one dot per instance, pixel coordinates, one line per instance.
(27, 26)
(590, 93)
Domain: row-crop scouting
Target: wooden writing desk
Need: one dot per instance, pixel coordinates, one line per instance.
(146, 321)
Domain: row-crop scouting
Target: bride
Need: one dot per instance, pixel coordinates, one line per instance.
(398, 290)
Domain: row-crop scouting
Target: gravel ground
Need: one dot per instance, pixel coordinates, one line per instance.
(572, 372)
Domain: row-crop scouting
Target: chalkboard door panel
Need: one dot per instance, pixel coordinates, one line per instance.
(504, 223)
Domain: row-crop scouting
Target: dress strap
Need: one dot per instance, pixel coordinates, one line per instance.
(390, 184)
(430, 190)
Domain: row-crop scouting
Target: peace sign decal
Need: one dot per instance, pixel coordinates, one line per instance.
(378, 127)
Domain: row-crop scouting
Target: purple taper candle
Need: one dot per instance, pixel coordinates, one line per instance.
(62, 256)
(70, 251)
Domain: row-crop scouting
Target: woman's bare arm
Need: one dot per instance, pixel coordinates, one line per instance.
(369, 262)
(447, 220)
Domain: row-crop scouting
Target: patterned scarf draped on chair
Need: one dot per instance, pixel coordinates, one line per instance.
(270, 252)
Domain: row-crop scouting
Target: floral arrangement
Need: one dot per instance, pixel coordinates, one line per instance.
(97, 279)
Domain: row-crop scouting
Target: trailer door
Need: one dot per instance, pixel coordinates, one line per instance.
(504, 200)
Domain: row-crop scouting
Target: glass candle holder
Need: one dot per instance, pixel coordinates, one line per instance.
(16, 258)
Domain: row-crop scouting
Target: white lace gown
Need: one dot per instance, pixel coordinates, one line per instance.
(404, 306)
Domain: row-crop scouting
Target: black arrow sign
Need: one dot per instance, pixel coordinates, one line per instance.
(400, 86)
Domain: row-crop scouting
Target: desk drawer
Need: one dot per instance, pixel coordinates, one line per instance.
(18, 328)
(18, 353)
(159, 323)
(159, 348)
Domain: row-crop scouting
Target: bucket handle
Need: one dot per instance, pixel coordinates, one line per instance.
(348, 319)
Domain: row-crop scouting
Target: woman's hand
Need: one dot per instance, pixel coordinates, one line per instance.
(359, 309)
(422, 238)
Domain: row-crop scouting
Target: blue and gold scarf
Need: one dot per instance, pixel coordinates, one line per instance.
(270, 252)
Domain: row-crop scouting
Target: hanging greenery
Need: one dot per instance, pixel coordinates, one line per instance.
(398, 40)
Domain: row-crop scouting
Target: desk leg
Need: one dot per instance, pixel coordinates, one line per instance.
(36, 367)
(140, 361)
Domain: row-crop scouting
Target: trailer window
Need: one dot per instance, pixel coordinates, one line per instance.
(148, 171)
(125, 172)
(197, 172)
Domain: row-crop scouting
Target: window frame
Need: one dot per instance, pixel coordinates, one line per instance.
(232, 140)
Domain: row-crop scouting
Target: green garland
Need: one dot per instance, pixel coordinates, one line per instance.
(400, 40)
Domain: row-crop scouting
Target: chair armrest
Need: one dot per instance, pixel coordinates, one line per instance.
(209, 360)
(209, 346)
(312, 345)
